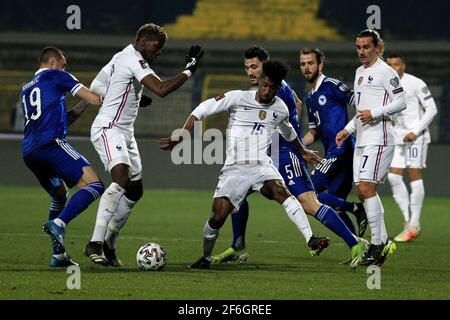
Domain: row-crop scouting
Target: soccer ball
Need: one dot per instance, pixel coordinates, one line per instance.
(151, 257)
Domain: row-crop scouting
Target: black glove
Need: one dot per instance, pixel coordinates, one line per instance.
(145, 102)
(193, 57)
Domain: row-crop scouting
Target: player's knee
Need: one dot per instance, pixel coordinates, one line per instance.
(365, 192)
(135, 194)
(279, 192)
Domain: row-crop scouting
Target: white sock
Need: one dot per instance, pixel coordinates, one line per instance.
(384, 235)
(209, 240)
(374, 211)
(296, 213)
(400, 193)
(118, 220)
(416, 201)
(106, 208)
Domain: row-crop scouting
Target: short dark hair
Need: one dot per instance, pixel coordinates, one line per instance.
(151, 31)
(376, 38)
(395, 55)
(275, 70)
(320, 57)
(257, 52)
(49, 52)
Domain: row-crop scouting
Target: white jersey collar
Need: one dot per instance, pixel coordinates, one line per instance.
(40, 70)
(318, 83)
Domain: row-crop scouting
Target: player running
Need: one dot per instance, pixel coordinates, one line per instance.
(378, 95)
(412, 138)
(46, 152)
(121, 82)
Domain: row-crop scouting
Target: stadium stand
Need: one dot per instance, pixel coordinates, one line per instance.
(285, 20)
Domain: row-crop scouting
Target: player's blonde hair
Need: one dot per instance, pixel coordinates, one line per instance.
(151, 30)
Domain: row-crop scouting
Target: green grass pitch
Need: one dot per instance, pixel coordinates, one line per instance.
(279, 266)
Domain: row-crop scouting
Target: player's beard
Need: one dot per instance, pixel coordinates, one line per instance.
(313, 76)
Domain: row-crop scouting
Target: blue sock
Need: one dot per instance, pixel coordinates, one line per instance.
(331, 220)
(239, 222)
(81, 200)
(56, 207)
(335, 202)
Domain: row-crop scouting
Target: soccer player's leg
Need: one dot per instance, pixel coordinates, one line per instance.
(57, 190)
(133, 193)
(341, 186)
(321, 182)
(234, 184)
(372, 169)
(117, 162)
(222, 207)
(399, 191)
(271, 185)
(236, 251)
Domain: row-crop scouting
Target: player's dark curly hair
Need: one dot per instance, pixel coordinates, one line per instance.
(320, 57)
(275, 70)
(257, 52)
(151, 31)
(376, 38)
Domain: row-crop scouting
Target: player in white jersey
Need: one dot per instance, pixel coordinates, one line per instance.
(378, 95)
(121, 83)
(412, 139)
(253, 118)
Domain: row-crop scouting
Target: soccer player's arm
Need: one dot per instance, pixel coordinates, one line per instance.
(312, 134)
(206, 108)
(393, 87)
(163, 87)
(288, 133)
(428, 103)
(98, 86)
(346, 132)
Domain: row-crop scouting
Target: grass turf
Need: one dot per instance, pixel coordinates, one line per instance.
(279, 266)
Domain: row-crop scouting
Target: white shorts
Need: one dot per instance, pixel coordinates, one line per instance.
(371, 163)
(115, 146)
(236, 181)
(410, 156)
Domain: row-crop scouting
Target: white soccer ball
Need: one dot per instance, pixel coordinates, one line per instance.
(151, 257)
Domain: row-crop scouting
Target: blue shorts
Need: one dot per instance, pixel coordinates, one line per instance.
(294, 171)
(55, 162)
(334, 174)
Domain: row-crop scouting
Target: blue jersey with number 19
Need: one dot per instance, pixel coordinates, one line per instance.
(44, 107)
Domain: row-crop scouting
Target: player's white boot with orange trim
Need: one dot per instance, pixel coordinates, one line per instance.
(408, 233)
(404, 235)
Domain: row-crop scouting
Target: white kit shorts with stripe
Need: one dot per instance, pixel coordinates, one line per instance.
(115, 146)
(371, 163)
(236, 181)
(410, 156)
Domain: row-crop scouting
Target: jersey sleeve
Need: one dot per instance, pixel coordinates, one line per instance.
(287, 130)
(68, 83)
(395, 93)
(140, 69)
(342, 93)
(426, 100)
(100, 83)
(218, 104)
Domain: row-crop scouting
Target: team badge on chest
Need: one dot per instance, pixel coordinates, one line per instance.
(322, 100)
(360, 80)
(262, 114)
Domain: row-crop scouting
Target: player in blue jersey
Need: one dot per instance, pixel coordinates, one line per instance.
(293, 169)
(46, 152)
(327, 112)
